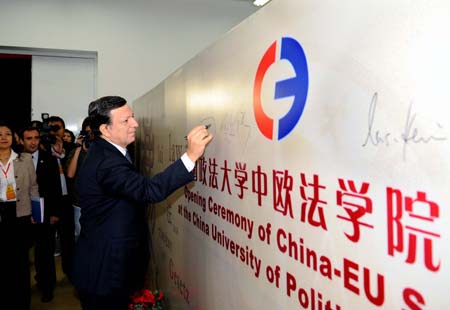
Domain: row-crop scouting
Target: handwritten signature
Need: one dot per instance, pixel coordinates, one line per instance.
(410, 134)
(234, 126)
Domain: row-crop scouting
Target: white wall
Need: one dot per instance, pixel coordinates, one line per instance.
(63, 86)
(139, 42)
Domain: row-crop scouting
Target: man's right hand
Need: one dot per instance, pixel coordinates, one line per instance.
(197, 139)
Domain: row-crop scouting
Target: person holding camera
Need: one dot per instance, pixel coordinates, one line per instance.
(66, 225)
(74, 161)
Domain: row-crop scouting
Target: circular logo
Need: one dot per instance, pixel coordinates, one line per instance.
(296, 87)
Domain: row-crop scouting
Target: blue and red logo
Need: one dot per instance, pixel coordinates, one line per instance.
(296, 87)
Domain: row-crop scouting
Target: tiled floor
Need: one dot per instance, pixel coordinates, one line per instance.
(65, 295)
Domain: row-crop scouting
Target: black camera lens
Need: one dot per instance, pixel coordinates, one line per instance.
(86, 137)
(54, 127)
(48, 132)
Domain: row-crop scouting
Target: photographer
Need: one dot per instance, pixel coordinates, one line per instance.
(52, 133)
(74, 161)
(53, 130)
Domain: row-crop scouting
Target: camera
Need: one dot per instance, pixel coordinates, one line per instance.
(48, 132)
(86, 138)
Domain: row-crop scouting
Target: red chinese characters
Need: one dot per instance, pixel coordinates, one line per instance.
(283, 184)
(312, 207)
(409, 222)
(356, 204)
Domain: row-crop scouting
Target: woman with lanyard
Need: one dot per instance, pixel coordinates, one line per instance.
(17, 186)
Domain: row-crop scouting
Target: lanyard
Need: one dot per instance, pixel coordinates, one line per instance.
(5, 173)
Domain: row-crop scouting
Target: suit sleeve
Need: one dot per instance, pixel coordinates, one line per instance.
(118, 178)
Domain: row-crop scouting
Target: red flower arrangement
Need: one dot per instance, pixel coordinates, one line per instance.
(147, 300)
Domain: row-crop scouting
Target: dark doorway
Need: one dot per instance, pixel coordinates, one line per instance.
(15, 89)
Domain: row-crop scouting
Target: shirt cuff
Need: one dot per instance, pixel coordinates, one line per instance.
(188, 163)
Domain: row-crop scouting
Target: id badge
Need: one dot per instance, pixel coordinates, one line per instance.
(10, 193)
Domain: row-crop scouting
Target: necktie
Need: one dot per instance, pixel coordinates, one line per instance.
(127, 155)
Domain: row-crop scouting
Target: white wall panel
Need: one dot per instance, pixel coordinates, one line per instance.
(64, 87)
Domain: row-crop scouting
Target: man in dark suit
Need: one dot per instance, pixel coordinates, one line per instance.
(112, 250)
(47, 176)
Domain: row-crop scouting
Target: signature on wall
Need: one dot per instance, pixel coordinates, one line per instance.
(408, 136)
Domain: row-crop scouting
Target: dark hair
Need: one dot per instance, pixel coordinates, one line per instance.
(86, 122)
(36, 124)
(54, 118)
(29, 128)
(100, 111)
(71, 134)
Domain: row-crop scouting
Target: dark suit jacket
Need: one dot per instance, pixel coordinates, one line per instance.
(112, 249)
(49, 182)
